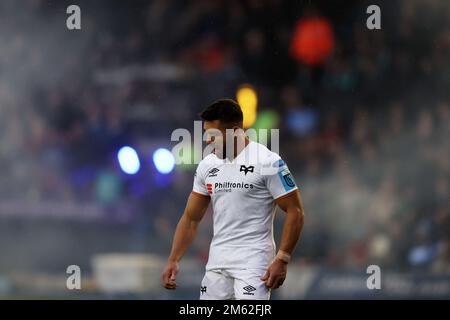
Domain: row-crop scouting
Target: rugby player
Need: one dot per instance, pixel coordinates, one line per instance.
(245, 181)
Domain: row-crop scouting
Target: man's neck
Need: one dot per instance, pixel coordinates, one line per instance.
(238, 147)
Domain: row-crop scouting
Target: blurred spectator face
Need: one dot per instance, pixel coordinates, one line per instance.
(254, 42)
(209, 53)
(291, 97)
(424, 125)
(397, 119)
(444, 113)
(368, 152)
(443, 216)
(313, 167)
(441, 189)
(360, 126)
(300, 120)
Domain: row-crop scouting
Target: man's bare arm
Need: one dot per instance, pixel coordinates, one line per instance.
(184, 235)
(293, 225)
(187, 226)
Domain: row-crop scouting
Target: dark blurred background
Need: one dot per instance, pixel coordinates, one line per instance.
(364, 127)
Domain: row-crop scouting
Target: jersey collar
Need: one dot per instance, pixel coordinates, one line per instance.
(240, 155)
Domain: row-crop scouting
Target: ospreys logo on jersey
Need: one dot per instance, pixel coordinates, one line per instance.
(247, 169)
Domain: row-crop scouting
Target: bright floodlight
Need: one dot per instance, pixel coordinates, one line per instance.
(248, 100)
(164, 160)
(128, 160)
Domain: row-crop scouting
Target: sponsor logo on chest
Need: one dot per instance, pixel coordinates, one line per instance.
(228, 180)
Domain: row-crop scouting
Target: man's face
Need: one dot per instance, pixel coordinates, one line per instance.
(216, 136)
(223, 137)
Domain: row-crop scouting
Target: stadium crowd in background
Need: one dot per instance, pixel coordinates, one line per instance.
(366, 132)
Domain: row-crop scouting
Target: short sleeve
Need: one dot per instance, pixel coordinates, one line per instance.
(279, 180)
(199, 182)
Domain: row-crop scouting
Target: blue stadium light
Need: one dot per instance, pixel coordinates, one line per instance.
(128, 160)
(164, 160)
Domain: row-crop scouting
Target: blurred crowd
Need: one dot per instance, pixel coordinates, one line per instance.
(366, 133)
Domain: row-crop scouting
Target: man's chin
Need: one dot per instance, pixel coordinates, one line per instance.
(219, 154)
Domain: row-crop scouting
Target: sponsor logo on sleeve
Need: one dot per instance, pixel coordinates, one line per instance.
(287, 180)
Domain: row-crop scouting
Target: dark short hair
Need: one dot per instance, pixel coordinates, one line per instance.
(227, 111)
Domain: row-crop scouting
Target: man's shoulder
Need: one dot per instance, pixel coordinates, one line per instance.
(207, 162)
(270, 162)
(265, 155)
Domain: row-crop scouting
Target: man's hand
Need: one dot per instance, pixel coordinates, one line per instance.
(169, 275)
(275, 274)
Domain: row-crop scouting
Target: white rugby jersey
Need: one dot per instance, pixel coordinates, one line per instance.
(242, 192)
